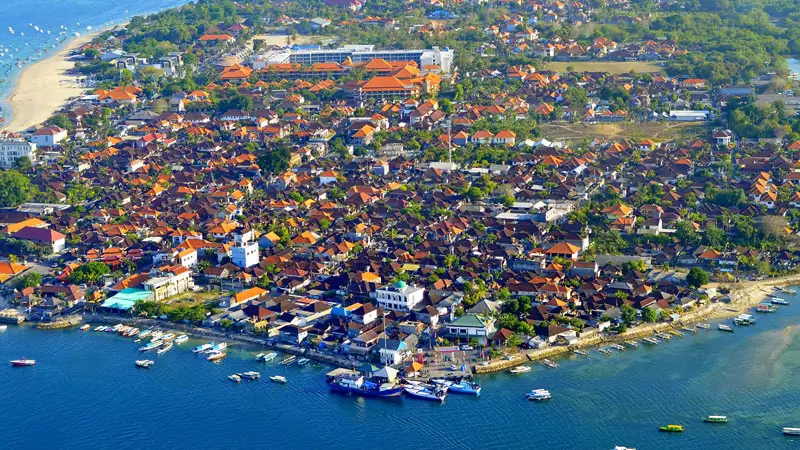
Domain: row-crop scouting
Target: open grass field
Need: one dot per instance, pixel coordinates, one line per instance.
(658, 131)
(604, 66)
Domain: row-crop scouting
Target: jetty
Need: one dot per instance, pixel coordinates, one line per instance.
(59, 324)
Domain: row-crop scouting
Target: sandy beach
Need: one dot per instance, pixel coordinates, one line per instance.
(44, 87)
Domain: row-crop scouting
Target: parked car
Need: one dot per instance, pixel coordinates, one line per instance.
(466, 347)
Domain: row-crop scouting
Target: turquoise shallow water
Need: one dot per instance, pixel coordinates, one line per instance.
(85, 391)
(50, 15)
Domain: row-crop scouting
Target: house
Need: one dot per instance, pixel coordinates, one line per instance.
(471, 326)
(245, 296)
(48, 136)
(52, 239)
(293, 334)
(563, 250)
(245, 255)
(392, 351)
(399, 297)
(187, 258)
(168, 282)
(319, 23)
(722, 137)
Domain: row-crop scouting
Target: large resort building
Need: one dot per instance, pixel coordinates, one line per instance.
(441, 58)
(14, 147)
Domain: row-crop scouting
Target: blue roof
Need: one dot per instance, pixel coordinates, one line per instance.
(125, 299)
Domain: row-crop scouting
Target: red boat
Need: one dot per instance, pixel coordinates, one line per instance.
(23, 362)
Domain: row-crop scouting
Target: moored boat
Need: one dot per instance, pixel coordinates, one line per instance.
(144, 333)
(145, 363)
(168, 337)
(715, 419)
(289, 360)
(85, 327)
(671, 428)
(604, 351)
(235, 378)
(303, 361)
(549, 364)
(788, 291)
(465, 387)
(726, 328)
(278, 379)
(421, 393)
(632, 344)
(266, 357)
(704, 326)
(651, 340)
(181, 339)
(356, 384)
(216, 355)
(520, 369)
(152, 345)
(3, 327)
(778, 301)
(618, 347)
(165, 348)
(24, 362)
(791, 431)
(203, 348)
(251, 375)
(538, 395)
(766, 308)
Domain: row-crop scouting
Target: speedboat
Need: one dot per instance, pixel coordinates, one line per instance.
(235, 377)
(715, 419)
(778, 301)
(704, 326)
(671, 428)
(24, 362)
(251, 375)
(3, 327)
(168, 337)
(216, 355)
(436, 395)
(181, 339)
(520, 369)
(83, 328)
(465, 387)
(165, 348)
(791, 431)
(727, 328)
(303, 361)
(143, 334)
(219, 347)
(151, 346)
(278, 379)
(145, 363)
(538, 395)
(203, 348)
(268, 356)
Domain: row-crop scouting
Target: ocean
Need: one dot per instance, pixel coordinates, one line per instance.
(85, 391)
(31, 20)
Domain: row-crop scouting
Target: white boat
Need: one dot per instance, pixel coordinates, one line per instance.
(156, 335)
(788, 291)
(436, 395)
(549, 364)
(235, 377)
(791, 431)
(216, 355)
(778, 301)
(538, 395)
(143, 334)
(288, 360)
(181, 339)
(632, 344)
(165, 348)
(83, 328)
(221, 346)
(303, 361)
(3, 327)
(619, 447)
(99, 328)
(24, 362)
(268, 357)
(251, 375)
(203, 348)
(704, 326)
(651, 340)
(151, 346)
(168, 337)
(722, 327)
(278, 379)
(145, 363)
(520, 369)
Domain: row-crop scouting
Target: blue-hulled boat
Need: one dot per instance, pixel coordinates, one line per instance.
(465, 387)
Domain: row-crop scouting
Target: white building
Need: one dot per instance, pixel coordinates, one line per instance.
(400, 297)
(49, 136)
(172, 282)
(357, 54)
(245, 255)
(13, 147)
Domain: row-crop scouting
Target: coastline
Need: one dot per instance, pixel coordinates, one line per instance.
(45, 87)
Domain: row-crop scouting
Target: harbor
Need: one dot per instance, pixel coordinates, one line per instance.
(756, 362)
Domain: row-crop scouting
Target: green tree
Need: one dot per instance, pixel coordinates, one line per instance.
(32, 279)
(696, 277)
(649, 315)
(628, 313)
(15, 188)
(89, 273)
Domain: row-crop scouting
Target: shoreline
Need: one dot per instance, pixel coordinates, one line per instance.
(43, 88)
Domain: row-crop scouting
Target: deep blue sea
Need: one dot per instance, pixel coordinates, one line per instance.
(62, 19)
(85, 392)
